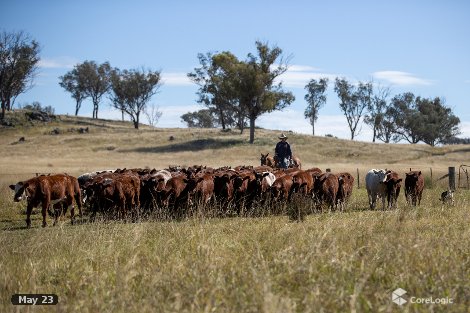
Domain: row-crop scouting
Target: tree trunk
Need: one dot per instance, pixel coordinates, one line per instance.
(313, 129)
(136, 121)
(373, 136)
(222, 119)
(122, 115)
(95, 108)
(252, 129)
(77, 107)
(3, 111)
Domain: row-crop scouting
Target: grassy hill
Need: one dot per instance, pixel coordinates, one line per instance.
(332, 262)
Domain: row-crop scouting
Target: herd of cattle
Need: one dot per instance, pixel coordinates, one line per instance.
(139, 192)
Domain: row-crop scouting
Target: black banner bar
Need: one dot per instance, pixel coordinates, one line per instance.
(34, 299)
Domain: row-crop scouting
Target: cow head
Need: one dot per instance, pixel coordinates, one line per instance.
(413, 176)
(20, 189)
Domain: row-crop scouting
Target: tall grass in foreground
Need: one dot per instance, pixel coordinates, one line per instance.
(332, 262)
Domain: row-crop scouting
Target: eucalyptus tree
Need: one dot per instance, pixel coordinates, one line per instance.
(439, 124)
(131, 90)
(259, 92)
(353, 102)
(19, 57)
(236, 90)
(407, 118)
(200, 119)
(96, 81)
(73, 82)
(215, 88)
(315, 98)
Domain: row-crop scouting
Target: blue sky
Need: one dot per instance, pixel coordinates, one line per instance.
(417, 46)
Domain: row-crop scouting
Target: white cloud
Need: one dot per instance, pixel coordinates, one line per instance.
(464, 129)
(59, 62)
(176, 79)
(299, 75)
(401, 78)
(303, 68)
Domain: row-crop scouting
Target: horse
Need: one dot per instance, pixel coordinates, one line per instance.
(267, 160)
(273, 162)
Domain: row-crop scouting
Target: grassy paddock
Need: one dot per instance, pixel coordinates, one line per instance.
(332, 262)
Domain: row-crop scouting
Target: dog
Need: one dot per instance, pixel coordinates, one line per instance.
(447, 197)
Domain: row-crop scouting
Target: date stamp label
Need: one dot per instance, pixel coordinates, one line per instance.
(34, 299)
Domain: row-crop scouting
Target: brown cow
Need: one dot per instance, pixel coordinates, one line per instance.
(223, 186)
(177, 192)
(325, 189)
(345, 182)
(119, 190)
(393, 185)
(302, 183)
(46, 190)
(204, 189)
(281, 187)
(244, 187)
(414, 185)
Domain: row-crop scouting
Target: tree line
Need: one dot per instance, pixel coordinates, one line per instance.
(235, 93)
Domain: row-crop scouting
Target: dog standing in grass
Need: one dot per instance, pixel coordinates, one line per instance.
(447, 197)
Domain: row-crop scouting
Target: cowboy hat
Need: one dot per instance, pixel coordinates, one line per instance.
(283, 136)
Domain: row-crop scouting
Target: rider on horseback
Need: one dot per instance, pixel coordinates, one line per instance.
(283, 153)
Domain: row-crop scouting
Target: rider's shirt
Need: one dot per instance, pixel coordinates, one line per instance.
(283, 150)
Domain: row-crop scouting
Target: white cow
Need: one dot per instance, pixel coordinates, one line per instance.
(161, 177)
(375, 186)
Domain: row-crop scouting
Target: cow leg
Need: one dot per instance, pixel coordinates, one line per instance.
(56, 210)
(29, 209)
(79, 203)
(72, 213)
(45, 205)
(371, 201)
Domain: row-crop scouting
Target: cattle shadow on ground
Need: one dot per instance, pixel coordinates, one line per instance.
(193, 145)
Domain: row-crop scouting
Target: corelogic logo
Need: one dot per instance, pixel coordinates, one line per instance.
(397, 296)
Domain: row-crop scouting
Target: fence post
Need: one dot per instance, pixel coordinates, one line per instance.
(451, 177)
(431, 176)
(357, 178)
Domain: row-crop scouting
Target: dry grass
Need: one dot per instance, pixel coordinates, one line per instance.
(332, 262)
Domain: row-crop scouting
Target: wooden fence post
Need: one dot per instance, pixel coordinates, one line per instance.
(357, 178)
(452, 178)
(431, 176)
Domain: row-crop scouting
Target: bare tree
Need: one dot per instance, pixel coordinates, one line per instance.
(153, 115)
(377, 109)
